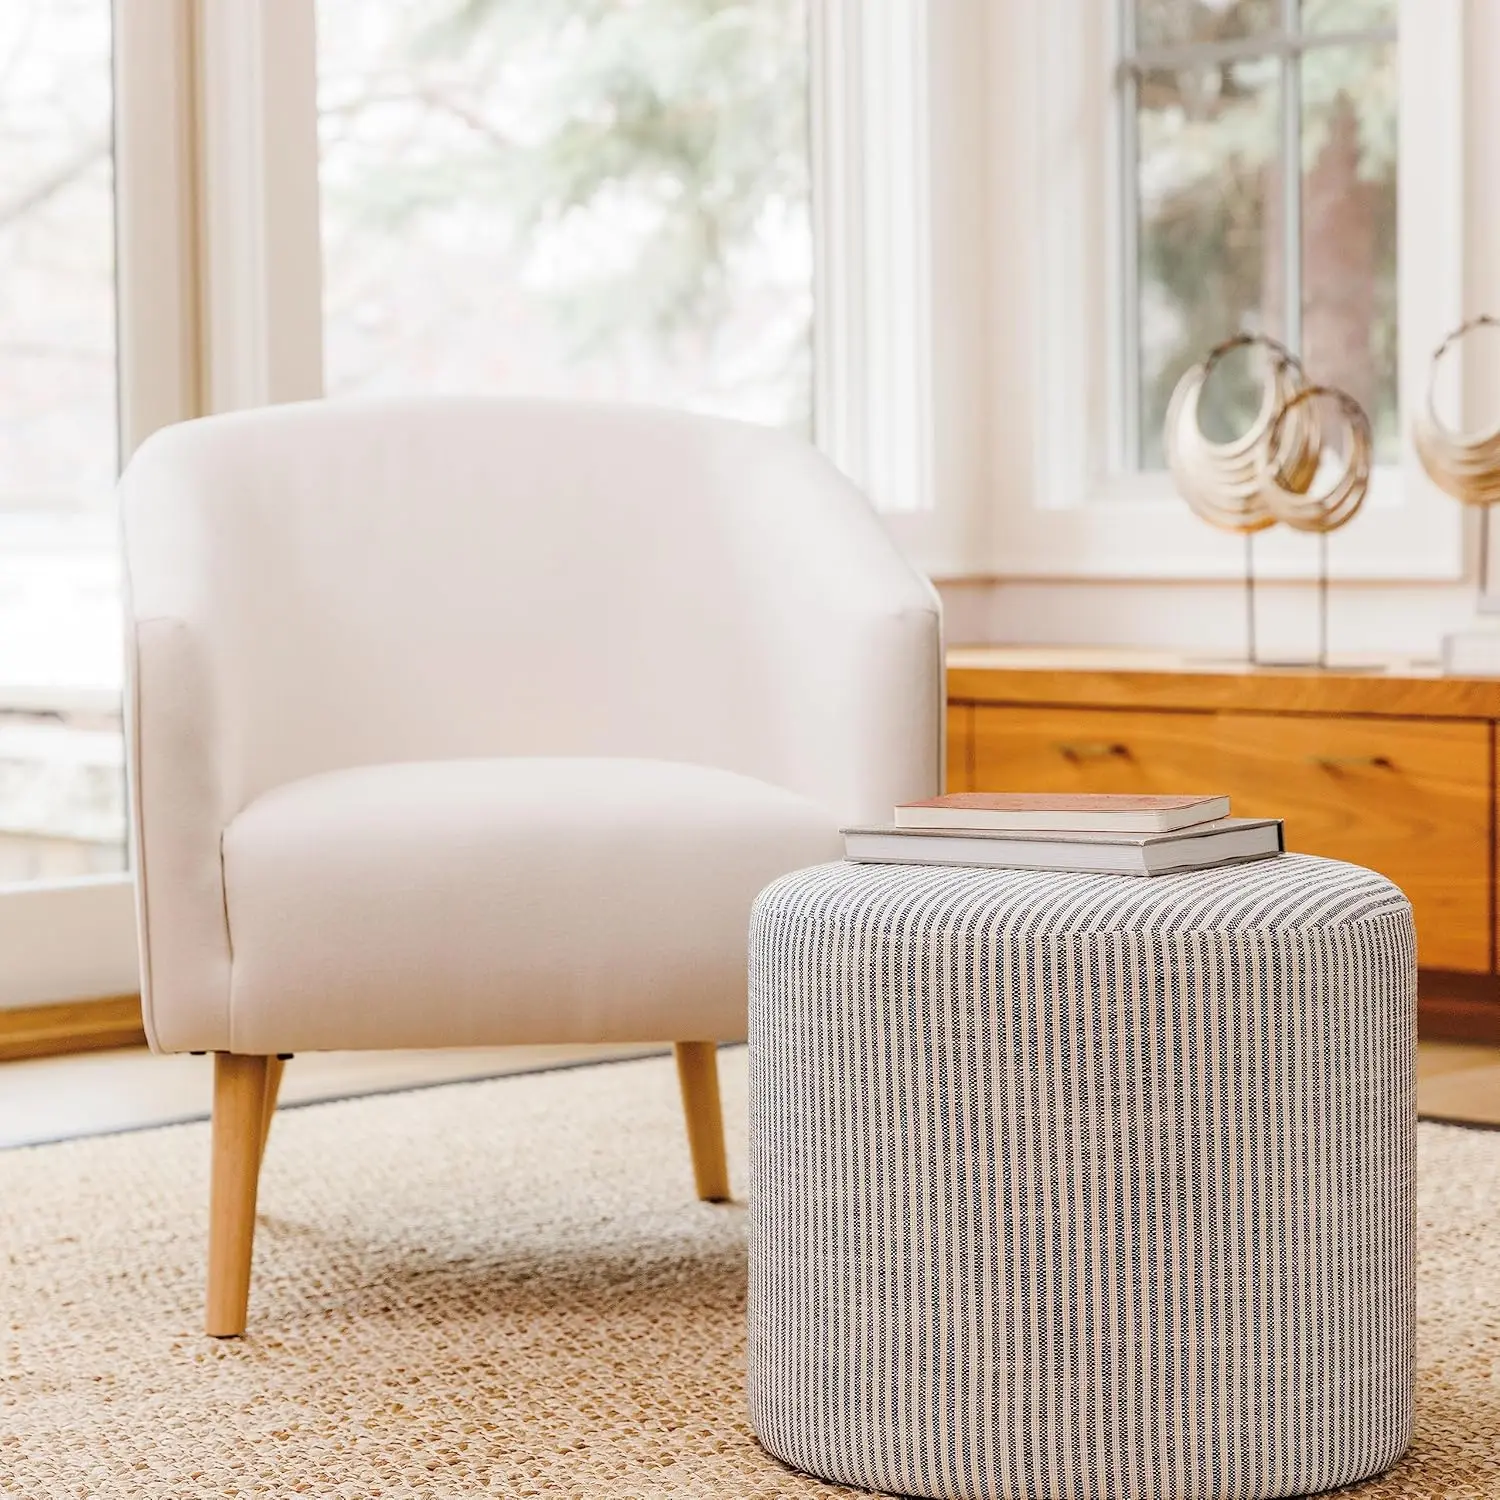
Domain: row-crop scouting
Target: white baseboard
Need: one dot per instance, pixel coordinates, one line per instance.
(70, 941)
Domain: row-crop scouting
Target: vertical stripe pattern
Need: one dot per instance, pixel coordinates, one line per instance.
(1083, 1186)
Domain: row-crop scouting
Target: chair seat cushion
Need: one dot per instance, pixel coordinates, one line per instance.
(479, 902)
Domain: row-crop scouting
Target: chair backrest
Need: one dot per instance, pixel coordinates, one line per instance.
(380, 580)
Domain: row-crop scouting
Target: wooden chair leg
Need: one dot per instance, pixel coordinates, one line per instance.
(274, 1068)
(240, 1089)
(698, 1073)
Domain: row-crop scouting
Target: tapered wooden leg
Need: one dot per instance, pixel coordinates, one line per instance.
(274, 1067)
(239, 1135)
(698, 1073)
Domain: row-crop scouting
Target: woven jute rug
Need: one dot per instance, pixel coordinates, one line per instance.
(502, 1288)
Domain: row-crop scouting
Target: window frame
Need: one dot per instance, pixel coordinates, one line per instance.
(901, 251)
(260, 255)
(966, 260)
(64, 940)
(219, 280)
(1289, 45)
(1065, 505)
(897, 242)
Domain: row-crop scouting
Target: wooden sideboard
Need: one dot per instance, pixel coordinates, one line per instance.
(1392, 767)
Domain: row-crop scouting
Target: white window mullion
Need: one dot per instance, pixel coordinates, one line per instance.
(261, 256)
(905, 265)
(836, 112)
(1125, 203)
(1291, 179)
(156, 235)
(872, 249)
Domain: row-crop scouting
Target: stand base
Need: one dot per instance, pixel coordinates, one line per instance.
(1294, 664)
(1290, 663)
(1472, 653)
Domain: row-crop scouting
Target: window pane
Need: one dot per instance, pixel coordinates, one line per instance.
(1349, 116)
(1347, 15)
(1162, 23)
(61, 783)
(1210, 246)
(569, 198)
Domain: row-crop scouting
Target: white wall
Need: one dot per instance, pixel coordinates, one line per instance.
(1206, 618)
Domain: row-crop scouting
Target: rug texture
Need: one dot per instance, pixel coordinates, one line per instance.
(501, 1288)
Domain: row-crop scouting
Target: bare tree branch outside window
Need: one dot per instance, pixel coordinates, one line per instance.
(604, 199)
(1210, 194)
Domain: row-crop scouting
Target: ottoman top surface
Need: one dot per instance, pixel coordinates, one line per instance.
(1288, 892)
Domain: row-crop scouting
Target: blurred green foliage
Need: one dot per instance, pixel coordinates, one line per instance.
(686, 119)
(1211, 253)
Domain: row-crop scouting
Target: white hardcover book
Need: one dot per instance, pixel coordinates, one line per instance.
(1229, 841)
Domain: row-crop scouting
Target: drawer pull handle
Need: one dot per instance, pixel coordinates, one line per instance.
(1080, 750)
(1352, 762)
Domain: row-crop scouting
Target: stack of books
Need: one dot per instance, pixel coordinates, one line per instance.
(1086, 834)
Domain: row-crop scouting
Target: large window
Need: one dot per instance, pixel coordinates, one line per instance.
(1206, 168)
(62, 805)
(1259, 146)
(205, 207)
(605, 200)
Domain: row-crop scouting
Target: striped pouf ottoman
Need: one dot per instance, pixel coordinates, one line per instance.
(1082, 1186)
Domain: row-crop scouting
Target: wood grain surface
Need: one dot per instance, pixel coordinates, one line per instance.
(1104, 677)
(960, 773)
(74, 1026)
(1094, 750)
(1409, 798)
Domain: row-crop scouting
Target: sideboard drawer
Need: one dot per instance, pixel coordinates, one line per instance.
(1395, 768)
(1094, 750)
(1407, 797)
(960, 744)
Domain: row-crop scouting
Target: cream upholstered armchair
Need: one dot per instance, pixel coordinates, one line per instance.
(476, 721)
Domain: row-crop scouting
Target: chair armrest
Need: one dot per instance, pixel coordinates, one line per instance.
(866, 708)
(852, 679)
(177, 822)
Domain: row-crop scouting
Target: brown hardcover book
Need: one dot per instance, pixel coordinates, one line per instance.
(1053, 812)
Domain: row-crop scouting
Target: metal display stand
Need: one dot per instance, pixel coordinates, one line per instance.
(1252, 652)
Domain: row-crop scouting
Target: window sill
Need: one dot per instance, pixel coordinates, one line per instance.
(1136, 528)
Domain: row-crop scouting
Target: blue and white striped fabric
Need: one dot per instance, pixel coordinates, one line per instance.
(1082, 1186)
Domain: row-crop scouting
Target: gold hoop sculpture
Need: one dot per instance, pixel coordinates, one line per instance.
(1223, 482)
(1464, 465)
(1300, 508)
(1266, 474)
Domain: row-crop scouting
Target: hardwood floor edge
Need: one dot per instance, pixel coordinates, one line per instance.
(71, 1026)
(1455, 1008)
(1458, 1007)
